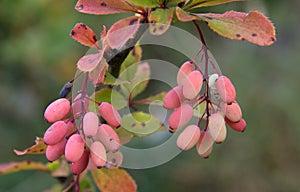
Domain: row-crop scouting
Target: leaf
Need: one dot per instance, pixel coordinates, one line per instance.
(21, 166)
(128, 69)
(149, 100)
(84, 35)
(160, 20)
(145, 3)
(111, 80)
(97, 75)
(114, 180)
(141, 124)
(111, 96)
(253, 27)
(205, 3)
(103, 7)
(124, 135)
(89, 62)
(184, 16)
(38, 148)
(121, 31)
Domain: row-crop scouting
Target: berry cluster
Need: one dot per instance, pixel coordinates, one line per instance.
(220, 107)
(93, 141)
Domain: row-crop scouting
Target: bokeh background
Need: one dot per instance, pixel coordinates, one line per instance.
(37, 57)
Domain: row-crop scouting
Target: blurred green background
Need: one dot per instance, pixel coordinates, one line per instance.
(37, 57)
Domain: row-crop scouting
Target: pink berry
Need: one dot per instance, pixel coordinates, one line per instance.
(225, 89)
(185, 69)
(74, 148)
(108, 137)
(173, 98)
(54, 152)
(233, 112)
(239, 126)
(98, 154)
(90, 123)
(180, 116)
(110, 114)
(217, 128)
(205, 144)
(188, 137)
(192, 85)
(79, 166)
(71, 127)
(80, 105)
(55, 133)
(57, 110)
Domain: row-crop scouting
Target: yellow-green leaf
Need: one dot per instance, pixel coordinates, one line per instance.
(158, 97)
(141, 124)
(111, 96)
(128, 69)
(253, 27)
(205, 3)
(114, 180)
(38, 148)
(21, 166)
(145, 3)
(160, 20)
(124, 135)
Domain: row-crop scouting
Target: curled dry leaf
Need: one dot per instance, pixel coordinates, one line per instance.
(38, 148)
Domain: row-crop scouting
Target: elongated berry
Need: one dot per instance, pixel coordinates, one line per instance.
(54, 152)
(74, 148)
(114, 160)
(180, 117)
(80, 165)
(90, 124)
(226, 89)
(71, 127)
(110, 114)
(57, 110)
(55, 133)
(192, 85)
(217, 128)
(108, 137)
(185, 69)
(205, 144)
(239, 126)
(173, 98)
(233, 112)
(98, 154)
(80, 105)
(188, 137)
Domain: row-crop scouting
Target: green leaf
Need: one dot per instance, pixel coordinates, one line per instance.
(160, 20)
(205, 3)
(21, 166)
(121, 31)
(151, 99)
(103, 7)
(200, 109)
(111, 80)
(114, 180)
(141, 124)
(38, 148)
(111, 96)
(253, 27)
(128, 69)
(145, 3)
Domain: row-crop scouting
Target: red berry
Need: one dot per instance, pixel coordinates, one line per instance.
(54, 152)
(55, 133)
(205, 144)
(90, 123)
(180, 117)
(71, 127)
(217, 128)
(79, 166)
(239, 126)
(57, 110)
(185, 69)
(173, 98)
(233, 112)
(188, 137)
(225, 89)
(108, 137)
(80, 105)
(192, 85)
(98, 154)
(110, 114)
(74, 148)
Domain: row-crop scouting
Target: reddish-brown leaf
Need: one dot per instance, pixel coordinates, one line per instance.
(103, 7)
(114, 180)
(21, 166)
(89, 62)
(253, 27)
(97, 75)
(84, 35)
(38, 148)
(121, 31)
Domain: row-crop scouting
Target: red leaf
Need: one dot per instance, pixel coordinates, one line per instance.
(121, 31)
(89, 62)
(103, 7)
(21, 166)
(38, 148)
(253, 27)
(114, 180)
(84, 35)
